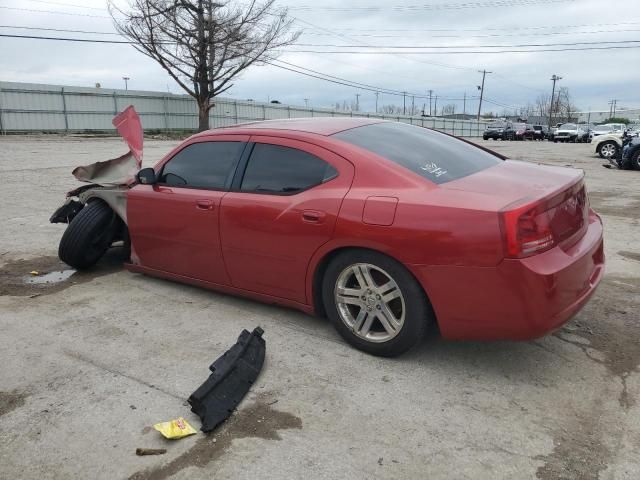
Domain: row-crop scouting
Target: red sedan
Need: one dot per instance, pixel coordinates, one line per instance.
(385, 228)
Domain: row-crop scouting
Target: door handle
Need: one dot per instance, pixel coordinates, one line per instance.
(313, 216)
(204, 204)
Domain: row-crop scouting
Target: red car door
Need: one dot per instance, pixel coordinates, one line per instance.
(284, 209)
(174, 224)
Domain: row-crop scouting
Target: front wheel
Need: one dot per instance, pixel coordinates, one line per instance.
(608, 150)
(375, 303)
(89, 235)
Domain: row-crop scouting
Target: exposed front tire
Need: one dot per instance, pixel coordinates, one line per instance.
(375, 303)
(89, 235)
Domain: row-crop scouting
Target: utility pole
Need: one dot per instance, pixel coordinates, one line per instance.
(357, 102)
(464, 104)
(404, 103)
(554, 78)
(612, 112)
(484, 74)
(413, 105)
(589, 117)
(435, 106)
(430, 93)
(306, 103)
(377, 93)
(126, 80)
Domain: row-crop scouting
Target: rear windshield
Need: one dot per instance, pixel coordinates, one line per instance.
(537, 127)
(432, 155)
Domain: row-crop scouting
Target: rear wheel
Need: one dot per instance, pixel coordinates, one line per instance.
(375, 303)
(635, 160)
(608, 150)
(89, 235)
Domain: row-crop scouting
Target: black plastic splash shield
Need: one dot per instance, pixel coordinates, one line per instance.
(232, 375)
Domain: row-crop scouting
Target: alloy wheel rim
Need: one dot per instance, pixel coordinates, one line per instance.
(370, 302)
(607, 150)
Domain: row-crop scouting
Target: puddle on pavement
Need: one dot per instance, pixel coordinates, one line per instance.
(258, 420)
(52, 274)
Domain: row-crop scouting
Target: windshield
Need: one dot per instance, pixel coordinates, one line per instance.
(433, 155)
(568, 126)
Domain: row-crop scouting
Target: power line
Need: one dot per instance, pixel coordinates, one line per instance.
(538, 27)
(492, 35)
(54, 12)
(416, 47)
(64, 39)
(386, 52)
(297, 69)
(430, 7)
(58, 30)
(62, 4)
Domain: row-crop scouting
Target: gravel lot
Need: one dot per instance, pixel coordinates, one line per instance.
(91, 363)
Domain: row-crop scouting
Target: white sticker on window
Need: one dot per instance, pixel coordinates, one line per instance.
(433, 169)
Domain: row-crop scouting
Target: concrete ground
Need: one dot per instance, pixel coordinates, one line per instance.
(89, 364)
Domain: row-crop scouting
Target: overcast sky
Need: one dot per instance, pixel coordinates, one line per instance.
(593, 76)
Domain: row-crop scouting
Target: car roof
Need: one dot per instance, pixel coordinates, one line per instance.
(318, 125)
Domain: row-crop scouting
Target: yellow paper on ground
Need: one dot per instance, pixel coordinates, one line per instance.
(175, 428)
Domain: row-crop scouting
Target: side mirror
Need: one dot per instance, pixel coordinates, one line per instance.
(146, 176)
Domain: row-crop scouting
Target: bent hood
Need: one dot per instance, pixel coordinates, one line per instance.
(120, 170)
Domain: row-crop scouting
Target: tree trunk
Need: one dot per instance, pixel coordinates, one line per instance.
(203, 115)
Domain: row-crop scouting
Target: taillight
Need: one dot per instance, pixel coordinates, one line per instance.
(527, 231)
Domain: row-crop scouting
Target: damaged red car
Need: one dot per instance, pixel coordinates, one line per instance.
(387, 229)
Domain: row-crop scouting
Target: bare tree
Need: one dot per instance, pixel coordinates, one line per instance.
(449, 109)
(204, 44)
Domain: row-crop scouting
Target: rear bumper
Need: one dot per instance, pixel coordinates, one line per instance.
(517, 299)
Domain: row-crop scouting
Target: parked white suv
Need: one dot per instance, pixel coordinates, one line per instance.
(569, 132)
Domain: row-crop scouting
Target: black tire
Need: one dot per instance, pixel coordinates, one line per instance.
(418, 314)
(635, 160)
(88, 236)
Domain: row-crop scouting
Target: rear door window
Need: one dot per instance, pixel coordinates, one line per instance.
(205, 165)
(435, 156)
(283, 170)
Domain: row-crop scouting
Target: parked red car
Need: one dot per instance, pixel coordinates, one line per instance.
(386, 228)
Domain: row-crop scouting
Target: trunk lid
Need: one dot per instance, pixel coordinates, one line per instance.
(556, 193)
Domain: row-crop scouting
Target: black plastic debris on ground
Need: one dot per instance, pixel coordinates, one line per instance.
(232, 376)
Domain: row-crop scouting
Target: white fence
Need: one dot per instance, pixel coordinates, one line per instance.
(26, 107)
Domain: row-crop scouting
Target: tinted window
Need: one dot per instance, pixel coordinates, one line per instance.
(433, 155)
(284, 170)
(202, 165)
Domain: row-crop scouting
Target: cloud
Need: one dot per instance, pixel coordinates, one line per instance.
(593, 77)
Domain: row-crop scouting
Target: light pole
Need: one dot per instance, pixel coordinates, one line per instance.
(357, 102)
(554, 78)
(126, 84)
(377, 93)
(306, 103)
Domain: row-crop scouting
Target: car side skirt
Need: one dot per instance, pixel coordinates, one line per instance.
(308, 309)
